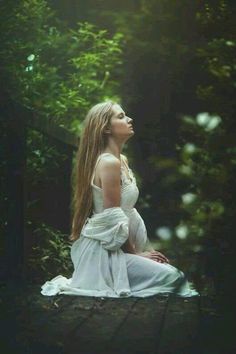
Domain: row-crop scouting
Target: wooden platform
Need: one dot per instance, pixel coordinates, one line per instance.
(35, 324)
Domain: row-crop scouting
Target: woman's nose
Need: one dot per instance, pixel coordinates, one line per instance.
(130, 119)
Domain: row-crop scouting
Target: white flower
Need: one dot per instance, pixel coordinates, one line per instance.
(189, 148)
(181, 231)
(188, 198)
(164, 233)
(203, 119)
(230, 43)
(213, 123)
(207, 121)
(31, 57)
(29, 68)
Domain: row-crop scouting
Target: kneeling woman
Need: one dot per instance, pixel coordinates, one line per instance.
(110, 251)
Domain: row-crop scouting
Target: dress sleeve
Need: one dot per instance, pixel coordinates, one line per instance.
(110, 228)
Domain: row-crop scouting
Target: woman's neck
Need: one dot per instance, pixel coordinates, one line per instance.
(114, 149)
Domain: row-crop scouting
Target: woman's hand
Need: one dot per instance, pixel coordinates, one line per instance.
(155, 256)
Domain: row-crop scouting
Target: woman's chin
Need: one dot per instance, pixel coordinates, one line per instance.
(131, 134)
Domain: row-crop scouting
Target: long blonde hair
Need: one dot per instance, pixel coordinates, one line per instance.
(92, 143)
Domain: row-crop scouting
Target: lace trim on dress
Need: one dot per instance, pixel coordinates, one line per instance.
(127, 173)
(127, 179)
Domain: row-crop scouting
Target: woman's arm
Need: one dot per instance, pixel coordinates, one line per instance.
(109, 171)
(110, 181)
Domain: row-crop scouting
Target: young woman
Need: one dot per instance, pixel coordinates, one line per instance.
(110, 250)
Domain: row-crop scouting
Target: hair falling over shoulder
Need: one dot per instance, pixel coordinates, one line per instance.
(92, 143)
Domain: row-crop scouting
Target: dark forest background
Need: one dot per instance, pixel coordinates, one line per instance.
(172, 67)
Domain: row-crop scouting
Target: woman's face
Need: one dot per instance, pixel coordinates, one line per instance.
(121, 124)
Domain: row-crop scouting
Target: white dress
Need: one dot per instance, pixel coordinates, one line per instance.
(102, 269)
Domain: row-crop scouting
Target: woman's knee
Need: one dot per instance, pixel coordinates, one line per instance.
(177, 275)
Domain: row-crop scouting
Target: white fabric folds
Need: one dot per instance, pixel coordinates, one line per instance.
(102, 269)
(110, 228)
(137, 229)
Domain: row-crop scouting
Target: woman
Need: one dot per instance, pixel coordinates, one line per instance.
(110, 249)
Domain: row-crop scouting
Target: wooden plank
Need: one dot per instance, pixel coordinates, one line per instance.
(32, 323)
(141, 330)
(97, 333)
(47, 324)
(120, 326)
(34, 326)
(26, 314)
(216, 331)
(180, 328)
(63, 324)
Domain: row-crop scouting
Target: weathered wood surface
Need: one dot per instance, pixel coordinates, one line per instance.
(35, 324)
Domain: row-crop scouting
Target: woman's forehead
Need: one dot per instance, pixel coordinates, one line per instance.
(117, 109)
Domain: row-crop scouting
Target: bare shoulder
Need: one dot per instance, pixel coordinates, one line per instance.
(109, 162)
(108, 167)
(109, 171)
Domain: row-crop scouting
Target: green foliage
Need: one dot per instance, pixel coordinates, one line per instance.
(58, 73)
(54, 70)
(179, 84)
(43, 159)
(203, 169)
(217, 54)
(181, 58)
(212, 164)
(50, 254)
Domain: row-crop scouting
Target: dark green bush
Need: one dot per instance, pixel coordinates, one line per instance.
(50, 254)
